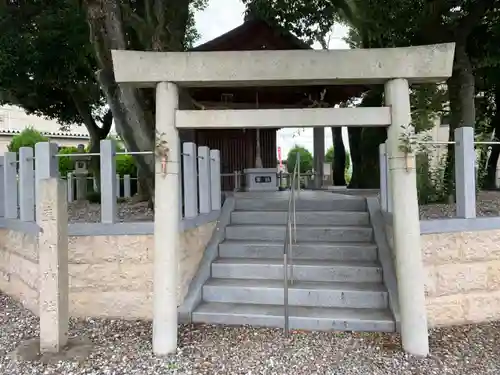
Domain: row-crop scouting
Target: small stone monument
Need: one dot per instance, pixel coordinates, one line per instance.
(261, 179)
(81, 173)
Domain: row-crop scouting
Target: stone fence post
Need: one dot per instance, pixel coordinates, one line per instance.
(10, 185)
(385, 198)
(190, 179)
(52, 218)
(43, 149)
(26, 185)
(71, 193)
(118, 179)
(2, 188)
(204, 180)
(465, 172)
(215, 183)
(108, 182)
(126, 186)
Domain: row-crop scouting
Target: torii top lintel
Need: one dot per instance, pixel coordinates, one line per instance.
(419, 64)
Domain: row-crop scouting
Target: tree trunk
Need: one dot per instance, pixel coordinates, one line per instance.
(258, 157)
(133, 109)
(371, 139)
(339, 157)
(132, 120)
(364, 147)
(461, 90)
(491, 169)
(356, 156)
(96, 133)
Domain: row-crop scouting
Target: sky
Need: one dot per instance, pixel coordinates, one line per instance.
(224, 15)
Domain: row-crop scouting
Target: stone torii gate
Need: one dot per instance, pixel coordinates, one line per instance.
(396, 68)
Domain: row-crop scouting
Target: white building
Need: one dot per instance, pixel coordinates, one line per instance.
(13, 120)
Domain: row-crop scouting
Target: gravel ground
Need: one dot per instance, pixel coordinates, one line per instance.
(85, 212)
(124, 348)
(487, 204)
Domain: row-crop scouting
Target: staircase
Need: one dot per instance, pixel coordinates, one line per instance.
(337, 277)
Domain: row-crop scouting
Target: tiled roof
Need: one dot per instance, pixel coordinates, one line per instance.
(48, 134)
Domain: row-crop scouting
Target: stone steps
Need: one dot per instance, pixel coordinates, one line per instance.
(318, 218)
(340, 251)
(304, 233)
(305, 318)
(355, 204)
(303, 270)
(337, 278)
(301, 293)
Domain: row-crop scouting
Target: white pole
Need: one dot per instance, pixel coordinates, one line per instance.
(166, 224)
(406, 225)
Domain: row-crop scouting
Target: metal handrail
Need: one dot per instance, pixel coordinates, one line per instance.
(290, 239)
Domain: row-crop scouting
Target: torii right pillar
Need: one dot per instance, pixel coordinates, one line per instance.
(406, 225)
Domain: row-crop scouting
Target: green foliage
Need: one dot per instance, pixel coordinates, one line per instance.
(46, 63)
(482, 153)
(67, 163)
(306, 159)
(347, 176)
(27, 138)
(329, 158)
(431, 187)
(428, 104)
(125, 164)
(311, 21)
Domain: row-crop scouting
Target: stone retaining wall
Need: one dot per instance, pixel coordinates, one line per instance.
(462, 282)
(19, 267)
(463, 277)
(110, 276)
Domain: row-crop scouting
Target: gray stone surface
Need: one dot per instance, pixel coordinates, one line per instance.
(465, 172)
(385, 256)
(320, 218)
(194, 293)
(334, 262)
(10, 185)
(190, 177)
(26, 185)
(305, 250)
(304, 233)
(108, 181)
(307, 270)
(204, 183)
(52, 217)
(301, 293)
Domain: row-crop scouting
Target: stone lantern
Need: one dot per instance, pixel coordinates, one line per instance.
(81, 173)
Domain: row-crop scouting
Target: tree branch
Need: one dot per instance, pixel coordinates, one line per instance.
(95, 20)
(114, 28)
(85, 113)
(107, 121)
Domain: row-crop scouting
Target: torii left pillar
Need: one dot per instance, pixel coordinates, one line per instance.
(166, 223)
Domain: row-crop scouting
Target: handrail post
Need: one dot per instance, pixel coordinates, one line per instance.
(290, 248)
(297, 165)
(290, 239)
(285, 294)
